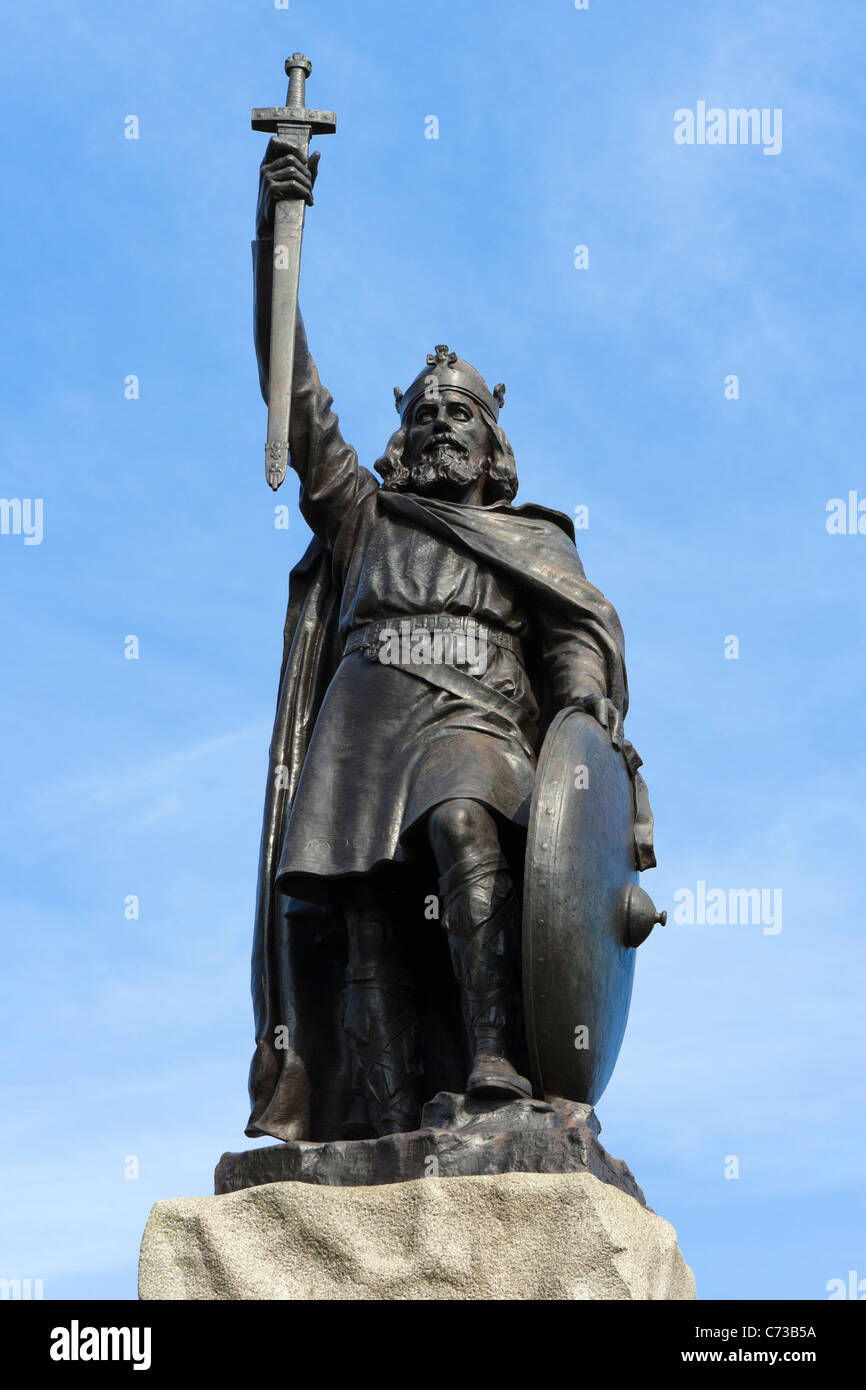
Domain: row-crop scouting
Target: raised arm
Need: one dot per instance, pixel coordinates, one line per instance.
(332, 481)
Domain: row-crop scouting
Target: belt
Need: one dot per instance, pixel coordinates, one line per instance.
(450, 678)
(369, 638)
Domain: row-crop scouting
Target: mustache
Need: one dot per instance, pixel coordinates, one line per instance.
(444, 441)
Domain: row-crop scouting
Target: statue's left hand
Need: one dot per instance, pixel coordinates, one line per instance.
(605, 711)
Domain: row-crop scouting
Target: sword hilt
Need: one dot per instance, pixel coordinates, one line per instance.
(298, 69)
(280, 120)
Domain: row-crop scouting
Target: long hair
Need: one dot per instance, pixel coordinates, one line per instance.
(501, 484)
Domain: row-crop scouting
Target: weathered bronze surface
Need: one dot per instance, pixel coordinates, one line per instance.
(435, 633)
(459, 1136)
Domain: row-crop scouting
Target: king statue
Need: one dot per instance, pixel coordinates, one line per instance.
(454, 821)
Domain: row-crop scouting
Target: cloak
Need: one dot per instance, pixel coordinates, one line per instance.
(299, 1077)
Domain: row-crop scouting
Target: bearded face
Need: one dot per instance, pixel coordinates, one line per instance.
(447, 444)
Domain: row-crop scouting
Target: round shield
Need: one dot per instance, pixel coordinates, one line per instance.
(578, 965)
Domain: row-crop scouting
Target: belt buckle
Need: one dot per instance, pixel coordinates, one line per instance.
(370, 649)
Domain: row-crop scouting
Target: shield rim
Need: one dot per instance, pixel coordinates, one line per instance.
(529, 896)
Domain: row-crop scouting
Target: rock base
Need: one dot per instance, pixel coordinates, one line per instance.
(506, 1236)
(459, 1137)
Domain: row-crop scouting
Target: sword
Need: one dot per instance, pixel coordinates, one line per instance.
(294, 123)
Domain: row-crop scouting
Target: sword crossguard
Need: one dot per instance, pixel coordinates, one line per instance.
(279, 120)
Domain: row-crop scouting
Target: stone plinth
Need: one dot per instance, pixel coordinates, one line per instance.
(509, 1236)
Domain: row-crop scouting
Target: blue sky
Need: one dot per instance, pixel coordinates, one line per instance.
(707, 520)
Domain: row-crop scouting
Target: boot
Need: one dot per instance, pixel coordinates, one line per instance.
(382, 1029)
(481, 914)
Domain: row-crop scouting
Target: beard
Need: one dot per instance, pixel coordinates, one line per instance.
(444, 461)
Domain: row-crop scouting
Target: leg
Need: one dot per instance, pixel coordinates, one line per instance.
(382, 1028)
(481, 914)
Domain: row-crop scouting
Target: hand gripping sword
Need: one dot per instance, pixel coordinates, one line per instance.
(294, 124)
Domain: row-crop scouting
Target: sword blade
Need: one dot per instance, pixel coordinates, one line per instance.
(288, 237)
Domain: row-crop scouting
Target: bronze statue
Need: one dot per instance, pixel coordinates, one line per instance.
(435, 634)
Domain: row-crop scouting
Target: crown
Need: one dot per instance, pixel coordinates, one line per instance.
(450, 372)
